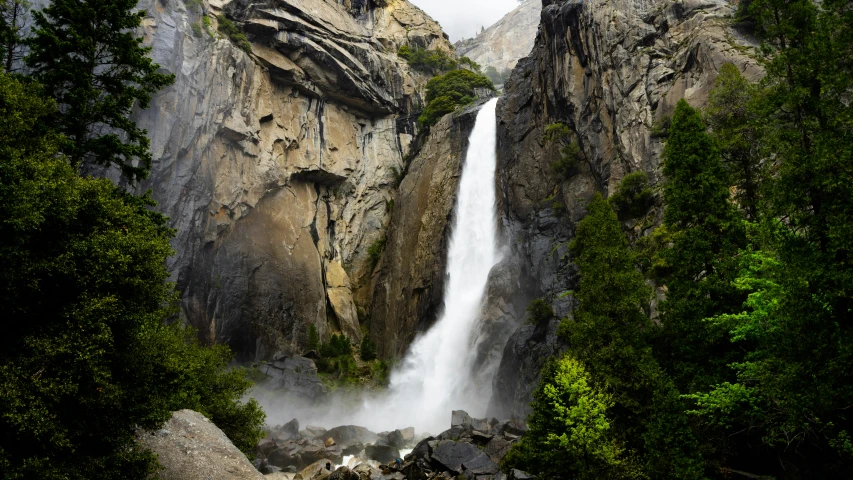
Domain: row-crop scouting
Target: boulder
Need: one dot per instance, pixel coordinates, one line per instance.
(348, 435)
(516, 474)
(330, 442)
(288, 431)
(382, 453)
(395, 439)
(458, 457)
(312, 431)
(344, 473)
(408, 435)
(294, 376)
(191, 447)
(423, 449)
(354, 449)
(319, 470)
(497, 448)
(460, 418)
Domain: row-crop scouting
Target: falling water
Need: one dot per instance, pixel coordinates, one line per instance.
(436, 376)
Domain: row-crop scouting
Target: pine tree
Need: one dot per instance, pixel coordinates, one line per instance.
(13, 16)
(88, 57)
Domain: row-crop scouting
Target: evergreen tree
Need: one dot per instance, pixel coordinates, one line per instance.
(86, 358)
(707, 235)
(609, 334)
(13, 16)
(88, 57)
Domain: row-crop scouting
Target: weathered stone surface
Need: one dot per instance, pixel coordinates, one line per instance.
(608, 70)
(348, 435)
(191, 447)
(382, 453)
(294, 376)
(276, 167)
(409, 290)
(506, 42)
(459, 457)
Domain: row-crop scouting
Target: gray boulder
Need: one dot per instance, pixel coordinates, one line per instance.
(191, 447)
(460, 457)
(296, 377)
(348, 435)
(382, 453)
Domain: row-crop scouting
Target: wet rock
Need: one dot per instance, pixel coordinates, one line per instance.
(319, 470)
(395, 439)
(408, 434)
(312, 431)
(354, 449)
(344, 473)
(460, 418)
(294, 376)
(191, 447)
(348, 435)
(497, 448)
(458, 457)
(382, 453)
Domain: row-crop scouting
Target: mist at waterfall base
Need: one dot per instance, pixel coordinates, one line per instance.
(436, 376)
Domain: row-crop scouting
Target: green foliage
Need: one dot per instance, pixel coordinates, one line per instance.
(337, 346)
(472, 65)
(434, 62)
(567, 164)
(91, 61)
(556, 132)
(374, 252)
(13, 19)
(539, 312)
(633, 197)
(234, 33)
(570, 436)
(313, 338)
(367, 349)
(447, 92)
(88, 360)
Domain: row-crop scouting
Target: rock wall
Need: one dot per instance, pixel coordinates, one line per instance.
(503, 44)
(609, 69)
(277, 166)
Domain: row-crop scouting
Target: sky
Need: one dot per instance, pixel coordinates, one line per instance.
(464, 18)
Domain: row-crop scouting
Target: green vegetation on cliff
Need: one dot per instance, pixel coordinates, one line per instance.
(446, 93)
(746, 372)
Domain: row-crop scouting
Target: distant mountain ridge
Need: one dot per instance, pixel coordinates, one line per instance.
(507, 41)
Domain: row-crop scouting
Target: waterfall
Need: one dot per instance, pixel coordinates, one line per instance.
(435, 376)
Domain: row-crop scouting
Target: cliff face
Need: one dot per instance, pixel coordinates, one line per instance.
(277, 167)
(503, 44)
(609, 70)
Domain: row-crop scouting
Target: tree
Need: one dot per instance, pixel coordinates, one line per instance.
(707, 235)
(633, 197)
(447, 92)
(88, 57)
(570, 435)
(13, 16)
(86, 358)
(610, 334)
(733, 113)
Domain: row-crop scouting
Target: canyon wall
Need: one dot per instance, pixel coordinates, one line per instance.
(277, 165)
(503, 44)
(609, 70)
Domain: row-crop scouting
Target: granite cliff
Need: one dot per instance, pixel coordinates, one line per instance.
(503, 44)
(278, 166)
(610, 70)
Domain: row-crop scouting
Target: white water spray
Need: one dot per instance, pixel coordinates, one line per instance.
(436, 376)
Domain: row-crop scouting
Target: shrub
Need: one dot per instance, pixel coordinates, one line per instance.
(368, 349)
(313, 338)
(374, 252)
(338, 346)
(447, 92)
(231, 30)
(633, 196)
(566, 166)
(427, 61)
(539, 312)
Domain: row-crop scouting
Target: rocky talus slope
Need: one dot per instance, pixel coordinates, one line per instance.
(609, 70)
(503, 44)
(277, 167)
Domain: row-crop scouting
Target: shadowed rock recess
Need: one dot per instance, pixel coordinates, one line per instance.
(278, 167)
(610, 71)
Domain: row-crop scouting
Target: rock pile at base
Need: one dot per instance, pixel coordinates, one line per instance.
(471, 449)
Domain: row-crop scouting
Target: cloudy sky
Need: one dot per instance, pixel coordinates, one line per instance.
(463, 18)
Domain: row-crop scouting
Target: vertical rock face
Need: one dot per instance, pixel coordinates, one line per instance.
(608, 70)
(277, 166)
(503, 44)
(409, 289)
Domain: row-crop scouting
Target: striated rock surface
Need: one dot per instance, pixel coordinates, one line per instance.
(608, 70)
(191, 447)
(277, 167)
(503, 44)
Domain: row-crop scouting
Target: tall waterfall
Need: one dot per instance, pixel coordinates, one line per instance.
(435, 377)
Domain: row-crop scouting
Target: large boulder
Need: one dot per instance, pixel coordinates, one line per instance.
(382, 453)
(295, 377)
(348, 435)
(191, 447)
(463, 457)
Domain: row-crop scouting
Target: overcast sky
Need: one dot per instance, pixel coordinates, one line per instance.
(464, 18)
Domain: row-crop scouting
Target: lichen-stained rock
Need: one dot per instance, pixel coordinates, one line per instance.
(609, 70)
(191, 447)
(410, 286)
(277, 166)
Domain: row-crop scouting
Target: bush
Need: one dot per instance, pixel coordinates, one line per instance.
(313, 338)
(633, 196)
(566, 166)
(447, 92)
(230, 30)
(539, 312)
(368, 349)
(338, 346)
(428, 61)
(374, 252)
